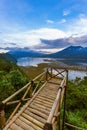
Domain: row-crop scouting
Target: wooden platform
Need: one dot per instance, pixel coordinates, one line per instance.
(43, 109)
(35, 113)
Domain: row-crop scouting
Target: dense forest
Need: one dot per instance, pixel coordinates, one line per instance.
(12, 79)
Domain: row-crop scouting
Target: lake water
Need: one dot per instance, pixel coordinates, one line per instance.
(28, 61)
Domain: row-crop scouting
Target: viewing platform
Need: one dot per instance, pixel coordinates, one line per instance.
(42, 109)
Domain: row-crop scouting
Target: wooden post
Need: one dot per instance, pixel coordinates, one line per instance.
(64, 112)
(51, 72)
(31, 89)
(47, 74)
(48, 127)
(2, 115)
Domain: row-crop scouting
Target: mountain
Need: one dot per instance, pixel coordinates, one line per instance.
(24, 52)
(72, 52)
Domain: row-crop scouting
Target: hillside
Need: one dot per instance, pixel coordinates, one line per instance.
(7, 57)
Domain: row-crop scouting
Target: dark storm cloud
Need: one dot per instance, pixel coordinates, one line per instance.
(62, 42)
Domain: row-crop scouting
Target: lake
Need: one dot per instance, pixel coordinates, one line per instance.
(28, 61)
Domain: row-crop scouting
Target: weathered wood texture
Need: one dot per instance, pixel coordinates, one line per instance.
(40, 112)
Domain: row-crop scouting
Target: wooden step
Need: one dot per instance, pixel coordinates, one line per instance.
(25, 120)
(35, 116)
(15, 127)
(33, 120)
(24, 125)
(38, 113)
(43, 110)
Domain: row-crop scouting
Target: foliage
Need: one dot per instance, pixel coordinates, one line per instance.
(10, 79)
(76, 119)
(17, 79)
(77, 102)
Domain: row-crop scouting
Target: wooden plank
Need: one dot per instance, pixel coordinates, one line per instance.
(35, 116)
(40, 109)
(49, 95)
(49, 92)
(41, 106)
(53, 90)
(51, 86)
(38, 113)
(43, 101)
(52, 82)
(23, 125)
(15, 127)
(30, 123)
(46, 105)
(34, 121)
(46, 96)
(50, 89)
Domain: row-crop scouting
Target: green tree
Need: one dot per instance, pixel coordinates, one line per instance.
(17, 79)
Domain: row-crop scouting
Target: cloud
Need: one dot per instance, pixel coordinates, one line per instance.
(32, 37)
(49, 21)
(62, 42)
(66, 12)
(62, 21)
(78, 26)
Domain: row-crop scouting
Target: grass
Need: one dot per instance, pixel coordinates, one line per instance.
(32, 71)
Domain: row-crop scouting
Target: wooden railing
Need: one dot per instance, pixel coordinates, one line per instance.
(40, 79)
(55, 111)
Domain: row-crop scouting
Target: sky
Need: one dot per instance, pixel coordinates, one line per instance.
(43, 24)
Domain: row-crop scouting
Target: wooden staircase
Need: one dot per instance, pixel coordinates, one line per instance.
(42, 110)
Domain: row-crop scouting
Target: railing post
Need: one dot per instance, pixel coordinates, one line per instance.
(48, 126)
(51, 72)
(2, 115)
(47, 74)
(31, 89)
(64, 112)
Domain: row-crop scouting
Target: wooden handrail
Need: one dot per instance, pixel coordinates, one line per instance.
(16, 93)
(59, 72)
(55, 103)
(20, 90)
(39, 76)
(17, 101)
